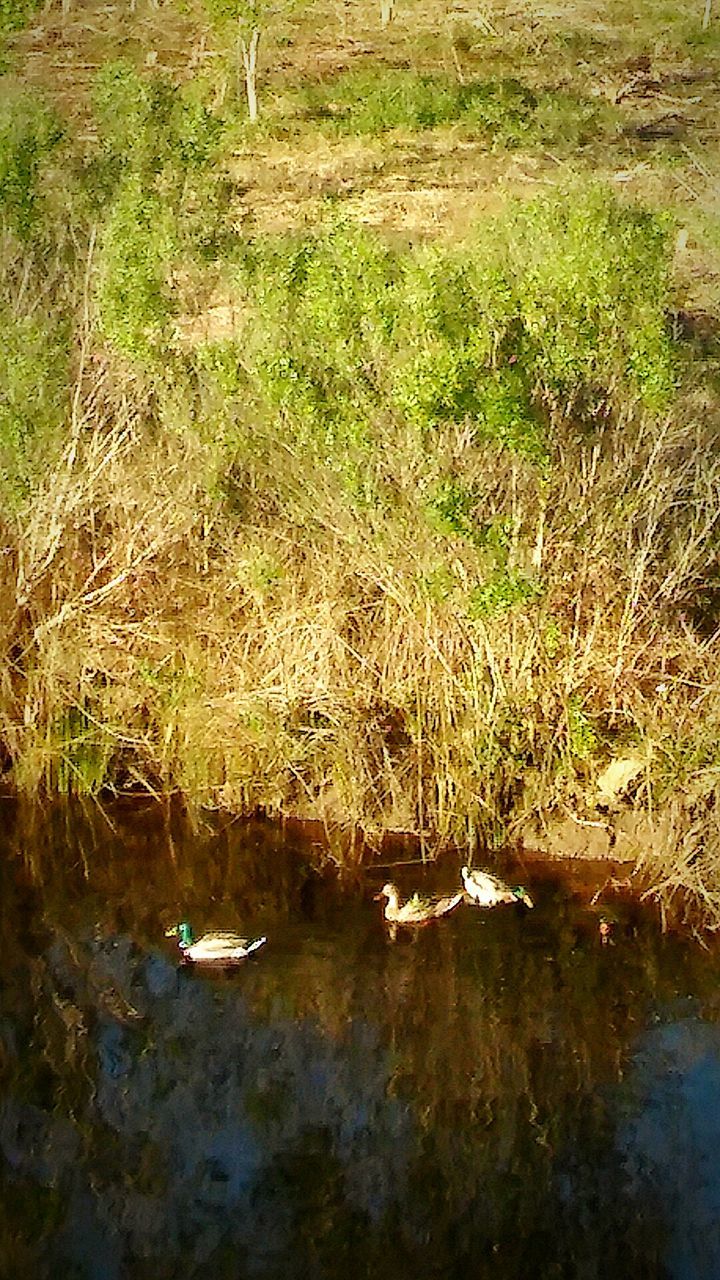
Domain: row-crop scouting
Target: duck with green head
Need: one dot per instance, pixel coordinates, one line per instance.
(487, 890)
(220, 948)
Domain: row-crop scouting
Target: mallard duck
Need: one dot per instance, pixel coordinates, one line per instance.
(490, 891)
(607, 922)
(416, 910)
(212, 948)
(605, 928)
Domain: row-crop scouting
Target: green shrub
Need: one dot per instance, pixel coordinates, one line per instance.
(133, 295)
(506, 415)
(165, 138)
(124, 106)
(446, 384)
(450, 507)
(15, 14)
(29, 132)
(34, 396)
(590, 278)
(371, 101)
(439, 384)
(504, 589)
(505, 112)
(336, 287)
(355, 352)
(220, 365)
(147, 124)
(322, 313)
(153, 181)
(582, 738)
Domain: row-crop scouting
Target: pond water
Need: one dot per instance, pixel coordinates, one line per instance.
(497, 1095)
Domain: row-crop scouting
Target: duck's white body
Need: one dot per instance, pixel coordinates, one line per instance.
(416, 910)
(219, 948)
(490, 891)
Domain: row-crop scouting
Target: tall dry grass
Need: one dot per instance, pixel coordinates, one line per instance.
(421, 544)
(155, 643)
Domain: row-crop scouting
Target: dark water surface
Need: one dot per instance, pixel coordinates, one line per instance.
(496, 1095)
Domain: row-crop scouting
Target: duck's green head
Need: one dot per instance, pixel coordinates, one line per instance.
(183, 932)
(522, 895)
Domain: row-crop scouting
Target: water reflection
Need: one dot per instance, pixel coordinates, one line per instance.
(671, 1140)
(498, 1095)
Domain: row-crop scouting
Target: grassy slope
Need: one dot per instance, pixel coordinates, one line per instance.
(216, 590)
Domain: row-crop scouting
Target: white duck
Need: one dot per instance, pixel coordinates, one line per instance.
(490, 891)
(212, 948)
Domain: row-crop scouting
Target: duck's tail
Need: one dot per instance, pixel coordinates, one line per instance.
(253, 946)
(448, 904)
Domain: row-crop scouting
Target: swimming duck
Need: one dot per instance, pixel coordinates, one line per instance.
(212, 948)
(607, 923)
(605, 928)
(416, 910)
(490, 891)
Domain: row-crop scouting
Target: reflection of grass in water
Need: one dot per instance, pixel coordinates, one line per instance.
(267, 1104)
(451, 1090)
(329, 1236)
(508, 1100)
(28, 1215)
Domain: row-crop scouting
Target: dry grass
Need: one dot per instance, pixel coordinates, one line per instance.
(324, 683)
(315, 658)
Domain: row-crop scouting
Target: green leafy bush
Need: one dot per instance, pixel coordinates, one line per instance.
(589, 277)
(451, 507)
(147, 125)
(582, 737)
(439, 384)
(356, 352)
(322, 315)
(154, 180)
(504, 589)
(133, 294)
(506, 415)
(14, 14)
(34, 396)
(29, 132)
(369, 102)
(505, 112)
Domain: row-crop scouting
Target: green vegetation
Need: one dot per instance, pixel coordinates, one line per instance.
(28, 134)
(395, 505)
(150, 127)
(14, 14)
(34, 374)
(505, 112)
(241, 24)
(135, 250)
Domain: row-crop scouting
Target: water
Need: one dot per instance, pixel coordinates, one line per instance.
(497, 1095)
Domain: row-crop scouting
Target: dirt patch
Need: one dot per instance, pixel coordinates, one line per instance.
(621, 837)
(219, 323)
